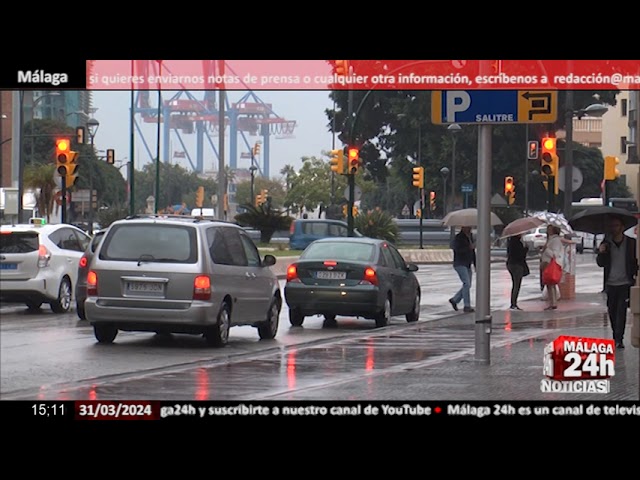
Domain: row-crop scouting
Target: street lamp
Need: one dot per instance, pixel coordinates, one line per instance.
(92, 126)
(594, 110)
(453, 129)
(253, 169)
(21, 142)
(444, 171)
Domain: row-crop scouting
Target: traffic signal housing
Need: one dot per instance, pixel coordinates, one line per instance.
(353, 160)
(611, 171)
(549, 161)
(509, 190)
(256, 149)
(80, 135)
(432, 200)
(200, 197)
(111, 156)
(342, 67)
(66, 165)
(337, 161)
(418, 177)
(533, 150)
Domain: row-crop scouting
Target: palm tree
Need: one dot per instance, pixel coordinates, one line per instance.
(289, 174)
(39, 176)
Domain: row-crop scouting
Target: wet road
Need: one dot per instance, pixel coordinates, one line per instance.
(47, 356)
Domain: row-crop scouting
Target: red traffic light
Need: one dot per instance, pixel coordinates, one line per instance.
(353, 154)
(508, 184)
(62, 145)
(549, 144)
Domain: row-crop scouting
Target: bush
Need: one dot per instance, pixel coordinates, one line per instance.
(377, 224)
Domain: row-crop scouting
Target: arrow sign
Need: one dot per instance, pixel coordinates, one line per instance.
(540, 103)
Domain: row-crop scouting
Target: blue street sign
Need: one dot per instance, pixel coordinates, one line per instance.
(467, 188)
(494, 106)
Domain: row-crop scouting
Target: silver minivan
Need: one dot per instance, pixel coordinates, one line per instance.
(180, 275)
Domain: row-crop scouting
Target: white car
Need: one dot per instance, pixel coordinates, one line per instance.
(39, 264)
(536, 239)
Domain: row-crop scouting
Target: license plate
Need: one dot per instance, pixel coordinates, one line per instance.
(331, 275)
(8, 266)
(145, 287)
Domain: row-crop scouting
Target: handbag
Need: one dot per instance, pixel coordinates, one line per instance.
(552, 274)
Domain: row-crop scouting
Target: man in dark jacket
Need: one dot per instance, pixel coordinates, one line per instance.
(617, 255)
(464, 255)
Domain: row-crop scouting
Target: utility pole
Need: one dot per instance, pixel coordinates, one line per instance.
(351, 177)
(221, 128)
(132, 138)
(568, 154)
(526, 171)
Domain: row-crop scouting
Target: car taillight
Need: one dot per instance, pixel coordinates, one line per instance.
(292, 274)
(92, 283)
(202, 287)
(370, 277)
(83, 262)
(292, 228)
(43, 256)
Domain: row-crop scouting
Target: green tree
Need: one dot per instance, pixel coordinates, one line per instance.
(274, 187)
(311, 187)
(40, 177)
(377, 224)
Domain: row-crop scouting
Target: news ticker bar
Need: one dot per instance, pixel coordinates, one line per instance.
(322, 74)
(88, 410)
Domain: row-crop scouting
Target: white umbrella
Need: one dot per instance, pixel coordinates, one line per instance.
(467, 217)
(555, 219)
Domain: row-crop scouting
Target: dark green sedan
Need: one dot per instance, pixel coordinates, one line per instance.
(357, 277)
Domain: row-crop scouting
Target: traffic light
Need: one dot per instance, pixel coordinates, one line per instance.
(259, 200)
(509, 190)
(354, 160)
(80, 135)
(342, 67)
(611, 172)
(200, 197)
(418, 213)
(337, 161)
(256, 149)
(549, 161)
(432, 200)
(533, 150)
(111, 156)
(418, 177)
(344, 210)
(66, 165)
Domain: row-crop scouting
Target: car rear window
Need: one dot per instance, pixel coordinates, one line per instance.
(19, 242)
(345, 251)
(151, 243)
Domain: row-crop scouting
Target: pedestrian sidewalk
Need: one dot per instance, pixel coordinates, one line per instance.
(514, 371)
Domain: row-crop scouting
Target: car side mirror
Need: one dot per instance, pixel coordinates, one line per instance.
(412, 267)
(268, 261)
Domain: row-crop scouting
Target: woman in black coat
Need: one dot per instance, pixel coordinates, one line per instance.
(517, 266)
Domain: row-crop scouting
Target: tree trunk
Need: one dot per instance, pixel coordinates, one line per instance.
(266, 234)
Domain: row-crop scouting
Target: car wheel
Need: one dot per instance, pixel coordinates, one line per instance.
(80, 311)
(218, 335)
(296, 319)
(33, 305)
(414, 314)
(268, 329)
(383, 318)
(105, 333)
(63, 303)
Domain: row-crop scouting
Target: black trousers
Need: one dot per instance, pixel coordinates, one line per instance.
(617, 304)
(517, 273)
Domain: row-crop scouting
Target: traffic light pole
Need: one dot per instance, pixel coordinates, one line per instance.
(352, 192)
(63, 200)
(551, 189)
(421, 215)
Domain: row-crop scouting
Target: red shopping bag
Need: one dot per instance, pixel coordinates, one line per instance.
(552, 274)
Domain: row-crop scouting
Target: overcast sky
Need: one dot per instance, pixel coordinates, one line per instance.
(307, 108)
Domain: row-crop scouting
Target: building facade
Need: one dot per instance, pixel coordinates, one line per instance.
(6, 113)
(616, 140)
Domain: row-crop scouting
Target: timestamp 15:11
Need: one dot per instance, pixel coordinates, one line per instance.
(49, 409)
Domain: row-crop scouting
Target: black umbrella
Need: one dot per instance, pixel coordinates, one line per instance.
(596, 219)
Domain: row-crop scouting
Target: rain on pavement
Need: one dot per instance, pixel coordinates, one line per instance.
(55, 357)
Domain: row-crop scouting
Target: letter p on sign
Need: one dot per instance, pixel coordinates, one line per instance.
(457, 101)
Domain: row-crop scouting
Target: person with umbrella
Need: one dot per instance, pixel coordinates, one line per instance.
(517, 267)
(554, 249)
(464, 255)
(617, 255)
